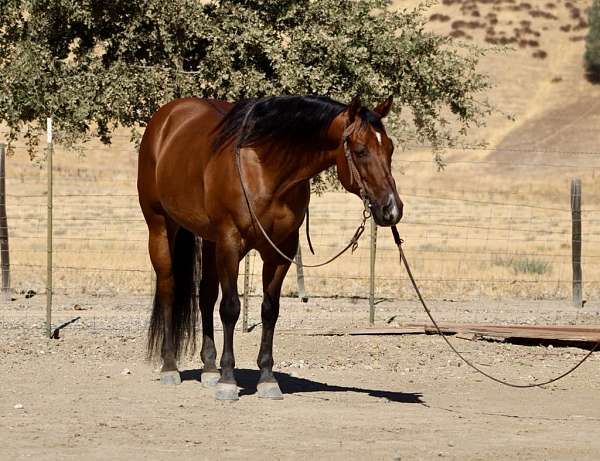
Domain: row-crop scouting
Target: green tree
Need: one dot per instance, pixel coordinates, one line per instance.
(97, 65)
(592, 44)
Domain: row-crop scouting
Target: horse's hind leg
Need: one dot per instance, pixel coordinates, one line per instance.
(209, 291)
(161, 325)
(274, 270)
(173, 322)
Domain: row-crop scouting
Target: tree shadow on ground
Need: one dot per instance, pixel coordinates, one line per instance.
(247, 380)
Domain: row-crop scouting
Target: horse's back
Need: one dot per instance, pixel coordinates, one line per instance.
(187, 120)
(174, 153)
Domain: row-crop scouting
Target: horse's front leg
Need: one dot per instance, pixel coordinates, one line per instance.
(274, 270)
(228, 255)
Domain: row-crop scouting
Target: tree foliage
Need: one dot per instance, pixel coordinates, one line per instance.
(96, 65)
(592, 45)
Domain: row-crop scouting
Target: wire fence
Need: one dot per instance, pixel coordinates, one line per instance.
(470, 232)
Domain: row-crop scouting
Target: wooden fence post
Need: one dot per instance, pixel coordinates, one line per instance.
(300, 276)
(576, 240)
(4, 253)
(49, 232)
(372, 254)
(246, 300)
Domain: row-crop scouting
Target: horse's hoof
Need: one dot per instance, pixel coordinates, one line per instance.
(269, 391)
(210, 378)
(170, 377)
(226, 391)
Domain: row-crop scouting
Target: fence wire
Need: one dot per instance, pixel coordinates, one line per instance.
(467, 236)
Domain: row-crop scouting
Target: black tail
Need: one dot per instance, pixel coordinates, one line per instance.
(186, 272)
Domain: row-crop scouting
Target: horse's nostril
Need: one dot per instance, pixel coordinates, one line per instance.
(390, 210)
(390, 203)
(389, 206)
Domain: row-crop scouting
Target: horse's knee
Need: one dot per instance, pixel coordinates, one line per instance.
(230, 309)
(165, 283)
(269, 309)
(209, 291)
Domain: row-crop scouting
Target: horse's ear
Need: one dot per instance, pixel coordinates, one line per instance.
(353, 108)
(384, 108)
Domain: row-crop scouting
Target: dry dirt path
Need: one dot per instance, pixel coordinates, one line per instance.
(391, 397)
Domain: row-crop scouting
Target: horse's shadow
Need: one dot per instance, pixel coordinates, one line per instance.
(247, 380)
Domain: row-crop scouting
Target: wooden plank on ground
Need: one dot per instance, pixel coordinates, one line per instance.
(451, 325)
(565, 333)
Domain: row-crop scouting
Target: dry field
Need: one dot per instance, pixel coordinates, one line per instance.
(496, 223)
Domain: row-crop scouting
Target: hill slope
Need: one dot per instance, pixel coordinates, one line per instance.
(539, 79)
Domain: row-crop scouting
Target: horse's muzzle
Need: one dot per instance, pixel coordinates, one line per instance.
(388, 211)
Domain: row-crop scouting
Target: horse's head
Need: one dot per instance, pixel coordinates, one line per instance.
(364, 162)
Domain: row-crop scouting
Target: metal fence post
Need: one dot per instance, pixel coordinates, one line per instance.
(372, 254)
(576, 241)
(49, 232)
(246, 293)
(4, 253)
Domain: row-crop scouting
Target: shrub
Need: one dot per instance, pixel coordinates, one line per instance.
(524, 265)
(99, 65)
(592, 46)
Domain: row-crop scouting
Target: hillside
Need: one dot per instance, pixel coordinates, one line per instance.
(538, 79)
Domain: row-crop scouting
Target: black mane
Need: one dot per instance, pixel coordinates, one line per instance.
(296, 121)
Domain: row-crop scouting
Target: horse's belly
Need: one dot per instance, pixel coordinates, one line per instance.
(192, 219)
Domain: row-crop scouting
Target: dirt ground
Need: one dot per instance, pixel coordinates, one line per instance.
(91, 395)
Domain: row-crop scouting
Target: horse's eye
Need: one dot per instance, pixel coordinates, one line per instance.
(361, 152)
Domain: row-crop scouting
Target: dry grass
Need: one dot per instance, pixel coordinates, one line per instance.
(467, 232)
(458, 225)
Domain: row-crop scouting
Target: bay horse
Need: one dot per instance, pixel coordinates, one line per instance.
(198, 213)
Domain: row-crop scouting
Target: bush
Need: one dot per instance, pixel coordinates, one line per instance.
(524, 265)
(99, 65)
(592, 45)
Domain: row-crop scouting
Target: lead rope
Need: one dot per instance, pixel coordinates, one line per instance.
(352, 244)
(399, 242)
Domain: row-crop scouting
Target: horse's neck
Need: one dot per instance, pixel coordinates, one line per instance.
(294, 168)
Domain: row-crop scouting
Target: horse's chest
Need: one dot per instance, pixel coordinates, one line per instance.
(285, 218)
